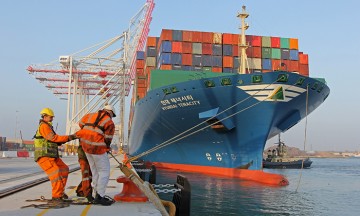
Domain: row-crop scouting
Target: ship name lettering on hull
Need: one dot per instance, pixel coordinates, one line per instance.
(176, 102)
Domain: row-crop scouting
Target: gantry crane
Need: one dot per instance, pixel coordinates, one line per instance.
(98, 75)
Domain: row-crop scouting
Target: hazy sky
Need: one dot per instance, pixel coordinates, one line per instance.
(39, 31)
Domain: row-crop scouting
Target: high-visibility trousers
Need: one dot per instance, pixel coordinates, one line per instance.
(57, 172)
(84, 188)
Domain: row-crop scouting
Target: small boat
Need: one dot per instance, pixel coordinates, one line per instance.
(278, 159)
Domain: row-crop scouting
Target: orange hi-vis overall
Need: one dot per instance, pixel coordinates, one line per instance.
(84, 188)
(46, 141)
(97, 131)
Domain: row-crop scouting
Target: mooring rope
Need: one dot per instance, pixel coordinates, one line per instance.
(305, 136)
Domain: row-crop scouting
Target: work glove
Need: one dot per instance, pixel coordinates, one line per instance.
(72, 137)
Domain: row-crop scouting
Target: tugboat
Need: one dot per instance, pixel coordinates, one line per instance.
(278, 159)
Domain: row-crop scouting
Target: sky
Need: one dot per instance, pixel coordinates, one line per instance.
(39, 31)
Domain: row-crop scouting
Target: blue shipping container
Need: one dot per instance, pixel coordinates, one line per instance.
(140, 55)
(217, 61)
(228, 70)
(197, 60)
(236, 62)
(177, 35)
(266, 64)
(165, 58)
(217, 49)
(176, 59)
(176, 67)
(187, 68)
(285, 54)
(165, 47)
(294, 55)
(227, 50)
(197, 69)
(207, 60)
(151, 52)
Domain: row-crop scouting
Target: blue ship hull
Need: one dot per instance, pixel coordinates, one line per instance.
(248, 108)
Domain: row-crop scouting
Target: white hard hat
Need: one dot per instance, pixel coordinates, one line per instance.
(110, 108)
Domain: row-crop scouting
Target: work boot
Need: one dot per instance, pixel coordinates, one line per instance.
(90, 198)
(57, 200)
(65, 196)
(80, 194)
(105, 200)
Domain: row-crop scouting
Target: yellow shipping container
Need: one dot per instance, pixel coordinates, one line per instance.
(217, 38)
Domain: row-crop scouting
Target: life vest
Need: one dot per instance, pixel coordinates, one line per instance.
(43, 147)
(97, 131)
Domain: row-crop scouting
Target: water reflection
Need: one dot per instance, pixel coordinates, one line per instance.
(325, 189)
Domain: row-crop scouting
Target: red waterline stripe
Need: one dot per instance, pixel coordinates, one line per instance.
(251, 175)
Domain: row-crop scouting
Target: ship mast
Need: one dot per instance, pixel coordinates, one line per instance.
(242, 42)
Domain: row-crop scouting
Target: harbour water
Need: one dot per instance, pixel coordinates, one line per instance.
(329, 187)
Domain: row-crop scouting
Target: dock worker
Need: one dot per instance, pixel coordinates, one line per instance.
(47, 153)
(96, 133)
(84, 188)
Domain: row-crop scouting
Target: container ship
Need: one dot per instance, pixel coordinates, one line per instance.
(208, 102)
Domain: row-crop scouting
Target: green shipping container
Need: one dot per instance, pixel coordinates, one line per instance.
(266, 41)
(207, 69)
(167, 77)
(275, 53)
(284, 43)
(266, 53)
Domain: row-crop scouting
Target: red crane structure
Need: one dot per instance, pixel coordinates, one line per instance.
(98, 75)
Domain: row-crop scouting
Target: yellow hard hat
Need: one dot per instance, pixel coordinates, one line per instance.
(47, 111)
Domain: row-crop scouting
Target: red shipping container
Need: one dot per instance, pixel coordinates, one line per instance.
(186, 47)
(139, 72)
(256, 52)
(207, 49)
(235, 39)
(228, 61)
(248, 39)
(303, 58)
(216, 69)
(285, 65)
(304, 69)
(235, 50)
(187, 36)
(165, 67)
(276, 64)
(249, 52)
(151, 42)
(294, 66)
(227, 38)
(186, 59)
(176, 47)
(256, 41)
(275, 42)
(141, 83)
(166, 34)
(140, 63)
(266, 71)
(207, 37)
(197, 36)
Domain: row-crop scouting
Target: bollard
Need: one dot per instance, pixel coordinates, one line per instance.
(130, 192)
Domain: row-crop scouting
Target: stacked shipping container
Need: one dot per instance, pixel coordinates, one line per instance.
(216, 52)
